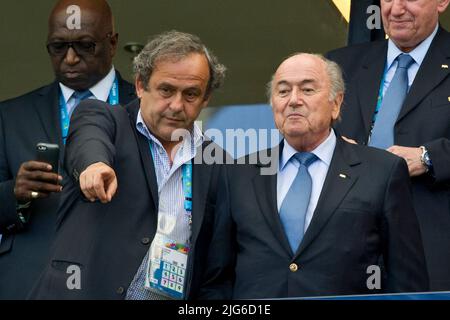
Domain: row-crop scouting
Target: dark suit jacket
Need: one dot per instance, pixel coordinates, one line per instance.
(361, 217)
(110, 241)
(25, 121)
(424, 120)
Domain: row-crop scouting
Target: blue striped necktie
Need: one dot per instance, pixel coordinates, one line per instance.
(295, 204)
(383, 130)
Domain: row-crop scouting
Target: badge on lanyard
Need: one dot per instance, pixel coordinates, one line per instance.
(166, 269)
(167, 262)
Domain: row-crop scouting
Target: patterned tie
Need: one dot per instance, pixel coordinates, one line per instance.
(383, 130)
(295, 204)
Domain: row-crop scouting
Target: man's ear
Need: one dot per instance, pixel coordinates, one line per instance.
(114, 40)
(139, 85)
(442, 5)
(206, 101)
(337, 103)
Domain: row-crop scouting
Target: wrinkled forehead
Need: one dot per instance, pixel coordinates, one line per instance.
(301, 69)
(193, 66)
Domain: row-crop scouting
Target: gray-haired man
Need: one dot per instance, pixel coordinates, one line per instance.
(320, 224)
(138, 215)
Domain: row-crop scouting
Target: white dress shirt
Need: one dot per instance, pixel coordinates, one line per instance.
(318, 170)
(100, 91)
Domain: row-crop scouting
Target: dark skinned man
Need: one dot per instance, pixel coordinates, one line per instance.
(81, 44)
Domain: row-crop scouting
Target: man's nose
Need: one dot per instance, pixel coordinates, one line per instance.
(177, 103)
(71, 57)
(295, 98)
(398, 7)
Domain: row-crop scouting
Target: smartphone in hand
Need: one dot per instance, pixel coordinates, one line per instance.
(48, 153)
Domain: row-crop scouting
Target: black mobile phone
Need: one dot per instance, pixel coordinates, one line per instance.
(48, 153)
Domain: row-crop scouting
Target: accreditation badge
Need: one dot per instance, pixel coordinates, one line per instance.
(166, 268)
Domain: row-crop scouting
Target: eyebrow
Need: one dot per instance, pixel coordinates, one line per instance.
(65, 37)
(305, 81)
(167, 84)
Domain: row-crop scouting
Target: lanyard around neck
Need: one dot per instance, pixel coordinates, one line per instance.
(113, 99)
(186, 176)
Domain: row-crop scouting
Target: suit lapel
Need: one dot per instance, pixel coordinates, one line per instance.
(144, 152)
(265, 187)
(334, 190)
(47, 108)
(369, 80)
(49, 116)
(126, 90)
(430, 74)
(201, 177)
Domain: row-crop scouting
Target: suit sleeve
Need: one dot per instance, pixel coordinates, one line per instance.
(9, 220)
(219, 270)
(404, 256)
(91, 137)
(439, 151)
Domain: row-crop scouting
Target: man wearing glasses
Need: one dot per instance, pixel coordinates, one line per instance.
(81, 44)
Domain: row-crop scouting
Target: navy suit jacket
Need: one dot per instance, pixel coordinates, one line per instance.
(109, 241)
(424, 120)
(364, 217)
(25, 121)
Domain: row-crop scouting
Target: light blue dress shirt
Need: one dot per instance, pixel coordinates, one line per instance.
(418, 54)
(318, 170)
(171, 212)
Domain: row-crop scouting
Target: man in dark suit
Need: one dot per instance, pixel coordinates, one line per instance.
(417, 126)
(29, 191)
(319, 214)
(151, 208)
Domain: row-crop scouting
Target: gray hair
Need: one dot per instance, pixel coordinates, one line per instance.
(175, 45)
(334, 73)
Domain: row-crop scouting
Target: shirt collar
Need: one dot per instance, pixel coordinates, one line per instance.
(418, 54)
(196, 140)
(100, 90)
(323, 151)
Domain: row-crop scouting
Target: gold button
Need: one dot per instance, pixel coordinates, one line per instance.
(293, 267)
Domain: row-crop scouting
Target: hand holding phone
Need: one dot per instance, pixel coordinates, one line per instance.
(38, 179)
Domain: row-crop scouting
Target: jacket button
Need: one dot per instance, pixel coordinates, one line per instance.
(120, 290)
(145, 241)
(293, 267)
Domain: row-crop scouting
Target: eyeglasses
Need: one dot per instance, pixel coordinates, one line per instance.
(82, 48)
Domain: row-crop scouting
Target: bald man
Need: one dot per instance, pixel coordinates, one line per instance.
(319, 224)
(81, 44)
